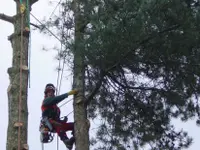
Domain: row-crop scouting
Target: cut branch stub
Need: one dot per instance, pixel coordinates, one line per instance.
(24, 67)
(25, 147)
(18, 124)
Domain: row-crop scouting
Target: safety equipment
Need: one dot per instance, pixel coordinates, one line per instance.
(46, 135)
(46, 129)
(47, 123)
(48, 87)
(72, 92)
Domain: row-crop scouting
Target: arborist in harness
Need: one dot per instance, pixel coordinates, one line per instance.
(51, 122)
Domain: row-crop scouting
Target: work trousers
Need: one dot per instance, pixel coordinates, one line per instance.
(61, 127)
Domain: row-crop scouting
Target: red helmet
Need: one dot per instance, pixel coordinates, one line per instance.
(49, 87)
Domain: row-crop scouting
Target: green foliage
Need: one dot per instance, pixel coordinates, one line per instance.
(149, 51)
(145, 55)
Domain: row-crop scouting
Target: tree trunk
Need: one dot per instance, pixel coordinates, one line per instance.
(80, 114)
(18, 88)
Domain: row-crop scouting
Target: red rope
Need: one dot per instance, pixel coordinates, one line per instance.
(20, 84)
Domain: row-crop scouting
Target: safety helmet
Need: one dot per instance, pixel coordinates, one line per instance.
(49, 87)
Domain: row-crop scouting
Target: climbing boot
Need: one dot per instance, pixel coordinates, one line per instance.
(69, 142)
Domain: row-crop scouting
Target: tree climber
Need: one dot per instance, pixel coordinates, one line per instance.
(51, 112)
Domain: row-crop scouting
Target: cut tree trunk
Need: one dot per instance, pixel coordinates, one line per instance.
(18, 88)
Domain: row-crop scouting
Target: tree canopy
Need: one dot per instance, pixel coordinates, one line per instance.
(142, 62)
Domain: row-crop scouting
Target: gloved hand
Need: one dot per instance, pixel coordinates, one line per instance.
(72, 92)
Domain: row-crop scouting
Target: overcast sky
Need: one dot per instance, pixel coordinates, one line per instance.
(43, 71)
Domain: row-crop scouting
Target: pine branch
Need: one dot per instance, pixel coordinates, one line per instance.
(144, 41)
(99, 83)
(135, 88)
(6, 18)
(95, 90)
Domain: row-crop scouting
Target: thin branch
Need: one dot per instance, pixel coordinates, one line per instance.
(6, 18)
(134, 88)
(35, 25)
(169, 62)
(46, 28)
(95, 90)
(112, 85)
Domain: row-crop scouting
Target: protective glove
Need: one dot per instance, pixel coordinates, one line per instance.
(72, 92)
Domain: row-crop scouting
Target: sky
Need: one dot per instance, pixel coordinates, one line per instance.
(43, 71)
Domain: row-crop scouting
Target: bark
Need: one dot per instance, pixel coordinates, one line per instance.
(80, 114)
(6, 18)
(18, 110)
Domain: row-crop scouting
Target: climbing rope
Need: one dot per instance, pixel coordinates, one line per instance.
(58, 86)
(22, 9)
(54, 10)
(44, 26)
(59, 76)
(66, 102)
(29, 43)
(22, 13)
(59, 65)
(20, 84)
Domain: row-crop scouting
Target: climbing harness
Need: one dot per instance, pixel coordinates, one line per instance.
(46, 129)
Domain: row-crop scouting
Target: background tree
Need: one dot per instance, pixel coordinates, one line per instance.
(142, 69)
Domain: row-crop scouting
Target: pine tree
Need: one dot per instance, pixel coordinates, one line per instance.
(80, 114)
(141, 69)
(149, 54)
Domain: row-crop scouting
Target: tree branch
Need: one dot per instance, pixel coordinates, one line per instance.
(95, 90)
(99, 83)
(35, 25)
(6, 18)
(33, 1)
(140, 43)
(134, 88)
